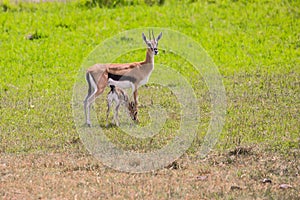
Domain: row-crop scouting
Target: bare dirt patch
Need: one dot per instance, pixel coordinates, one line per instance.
(80, 176)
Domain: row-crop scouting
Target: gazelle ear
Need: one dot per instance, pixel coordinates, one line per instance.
(158, 37)
(144, 38)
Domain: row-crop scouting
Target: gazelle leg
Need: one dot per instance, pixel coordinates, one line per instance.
(116, 115)
(107, 112)
(93, 92)
(87, 105)
(135, 96)
(90, 97)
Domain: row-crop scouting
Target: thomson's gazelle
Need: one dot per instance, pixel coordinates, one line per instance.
(126, 75)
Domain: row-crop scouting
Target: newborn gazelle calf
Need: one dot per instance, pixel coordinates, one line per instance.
(119, 96)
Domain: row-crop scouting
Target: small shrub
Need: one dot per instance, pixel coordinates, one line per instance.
(153, 2)
(35, 36)
(111, 3)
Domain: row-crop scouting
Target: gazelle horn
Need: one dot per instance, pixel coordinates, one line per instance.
(153, 35)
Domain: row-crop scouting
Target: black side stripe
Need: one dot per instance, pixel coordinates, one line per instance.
(121, 78)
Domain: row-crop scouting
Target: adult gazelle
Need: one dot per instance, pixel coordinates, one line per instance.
(123, 75)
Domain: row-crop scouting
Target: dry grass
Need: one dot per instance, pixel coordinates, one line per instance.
(219, 176)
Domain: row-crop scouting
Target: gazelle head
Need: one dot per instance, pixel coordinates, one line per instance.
(152, 43)
(133, 111)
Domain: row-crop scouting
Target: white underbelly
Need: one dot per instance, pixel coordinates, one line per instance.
(121, 84)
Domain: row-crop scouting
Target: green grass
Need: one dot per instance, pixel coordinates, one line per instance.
(254, 44)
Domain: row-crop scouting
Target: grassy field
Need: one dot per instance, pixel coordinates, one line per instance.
(255, 46)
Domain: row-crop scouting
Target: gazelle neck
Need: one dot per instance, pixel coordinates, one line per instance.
(149, 57)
